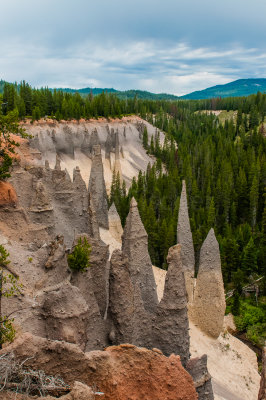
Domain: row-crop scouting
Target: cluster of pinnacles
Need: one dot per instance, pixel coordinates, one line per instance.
(115, 301)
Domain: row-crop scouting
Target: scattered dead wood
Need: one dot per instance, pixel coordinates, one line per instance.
(16, 377)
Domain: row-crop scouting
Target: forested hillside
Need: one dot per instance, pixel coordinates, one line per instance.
(223, 163)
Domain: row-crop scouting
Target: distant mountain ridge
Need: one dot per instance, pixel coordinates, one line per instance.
(238, 88)
(123, 94)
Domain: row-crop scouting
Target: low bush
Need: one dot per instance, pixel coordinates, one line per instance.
(78, 260)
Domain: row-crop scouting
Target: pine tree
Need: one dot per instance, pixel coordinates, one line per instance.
(250, 258)
(145, 138)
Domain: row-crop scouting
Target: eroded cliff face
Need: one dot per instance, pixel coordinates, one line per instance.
(115, 301)
(72, 143)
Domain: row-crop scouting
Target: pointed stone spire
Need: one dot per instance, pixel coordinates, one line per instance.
(94, 140)
(108, 145)
(47, 165)
(78, 180)
(184, 237)
(209, 300)
(117, 145)
(130, 322)
(171, 329)
(97, 189)
(67, 176)
(115, 227)
(93, 223)
(80, 192)
(57, 163)
(135, 247)
(86, 143)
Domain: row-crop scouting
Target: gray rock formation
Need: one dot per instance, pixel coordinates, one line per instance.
(80, 188)
(94, 141)
(97, 189)
(64, 143)
(57, 163)
(99, 270)
(126, 309)
(184, 237)
(197, 367)
(86, 144)
(66, 313)
(209, 300)
(40, 201)
(115, 226)
(50, 198)
(171, 329)
(108, 145)
(135, 247)
(93, 228)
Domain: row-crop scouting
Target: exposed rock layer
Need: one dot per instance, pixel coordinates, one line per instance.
(120, 372)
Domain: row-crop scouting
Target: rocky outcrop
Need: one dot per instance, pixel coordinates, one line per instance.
(57, 163)
(49, 197)
(99, 270)
(209, 299)
(197, 367)
(8, 196)
(80, 188)
(120, 372)
(184, 237)
(135, 248)
(40, 201)
(93, 228)
(115, 226)
(171, 330)
(65, 312)
(97, 189)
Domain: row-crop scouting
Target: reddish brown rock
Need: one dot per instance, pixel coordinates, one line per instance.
(120, 372)
(8, 196)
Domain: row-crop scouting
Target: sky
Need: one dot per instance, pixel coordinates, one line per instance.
(169, 46)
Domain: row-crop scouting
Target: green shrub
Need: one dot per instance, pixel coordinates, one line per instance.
(78, 260)
(252, 320)
(257, 334)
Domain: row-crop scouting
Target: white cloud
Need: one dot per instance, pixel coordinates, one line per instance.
(148, 65)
